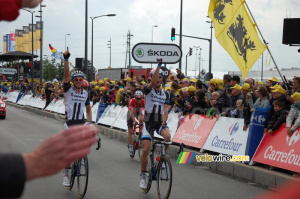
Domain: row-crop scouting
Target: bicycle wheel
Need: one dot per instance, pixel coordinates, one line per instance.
(73, 174)
(164, 178)
(149, 173)
(82, 176)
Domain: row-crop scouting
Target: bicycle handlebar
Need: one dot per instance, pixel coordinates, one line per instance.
(181, 145)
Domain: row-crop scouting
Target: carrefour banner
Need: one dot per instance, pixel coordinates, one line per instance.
(194, 130)
(256, 130)
(8, 43)
(227, 137)
(280, 150)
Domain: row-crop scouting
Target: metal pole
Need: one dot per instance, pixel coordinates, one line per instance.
(200, 62)
(262, 66)
(92, 49)
(264, 42)
(86, 42)
(210, 47)
(110, 53)
(180, 37)
(186, 64)
(41, 46)
(32, 49)
(196, 61)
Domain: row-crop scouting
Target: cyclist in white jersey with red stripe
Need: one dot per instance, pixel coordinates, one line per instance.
(156, 116)
(76, 99)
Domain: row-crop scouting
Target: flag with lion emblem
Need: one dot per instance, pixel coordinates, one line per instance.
(236, 32)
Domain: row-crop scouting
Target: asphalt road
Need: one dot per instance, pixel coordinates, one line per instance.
(113, 174)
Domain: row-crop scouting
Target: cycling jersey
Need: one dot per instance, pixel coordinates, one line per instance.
(135, 106)
(137, 110)
(75, 104)
(154, 110)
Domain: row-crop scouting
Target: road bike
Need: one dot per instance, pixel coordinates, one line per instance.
(137, 141)
(80, 170)
(160, 170)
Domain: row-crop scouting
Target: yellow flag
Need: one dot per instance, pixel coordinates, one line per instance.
(4, 44)
(236, 32)
(26, 39)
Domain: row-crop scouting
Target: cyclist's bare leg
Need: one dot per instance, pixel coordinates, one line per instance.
(166, 133)
(130, 133)
(144, 158)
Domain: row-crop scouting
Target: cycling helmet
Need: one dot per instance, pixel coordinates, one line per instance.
(77, 73)
(138, 94)
(161, 73)
(96, 88)
(85, 84)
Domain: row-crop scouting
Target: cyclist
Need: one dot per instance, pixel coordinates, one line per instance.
(156, 115)
(136, 109)
(76, 99)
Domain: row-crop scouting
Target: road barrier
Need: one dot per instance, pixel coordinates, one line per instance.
(225, 136)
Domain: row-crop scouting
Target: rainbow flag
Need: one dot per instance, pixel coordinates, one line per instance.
(185, 158)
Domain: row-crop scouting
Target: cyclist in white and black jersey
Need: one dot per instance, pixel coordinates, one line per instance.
(157, 104)
(76, 99)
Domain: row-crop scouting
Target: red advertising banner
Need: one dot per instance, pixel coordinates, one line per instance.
(280, 150)
(194, 131)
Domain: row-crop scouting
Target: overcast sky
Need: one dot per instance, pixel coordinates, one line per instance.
(138, 16)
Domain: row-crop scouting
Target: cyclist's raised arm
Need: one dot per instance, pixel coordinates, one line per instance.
(67, 76)
(155, 76)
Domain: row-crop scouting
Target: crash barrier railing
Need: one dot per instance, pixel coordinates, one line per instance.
(225, 136)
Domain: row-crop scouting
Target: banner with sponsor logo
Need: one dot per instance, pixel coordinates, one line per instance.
(280, 150)
(109, 115)
(26, 39)
(227, 137)
(8, 43)
(194, 131)
(121, 120)
(256, 130)
(19, 40)
(12, 41)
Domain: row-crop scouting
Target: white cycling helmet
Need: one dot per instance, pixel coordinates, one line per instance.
(138, 94)
(161, 73)
(77, 73)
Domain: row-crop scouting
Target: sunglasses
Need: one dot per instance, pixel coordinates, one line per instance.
(138, 98)
(78, 79)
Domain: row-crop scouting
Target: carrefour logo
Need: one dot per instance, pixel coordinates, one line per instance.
(260, 119)
(233, 128)
(293, 139)
(139, 52)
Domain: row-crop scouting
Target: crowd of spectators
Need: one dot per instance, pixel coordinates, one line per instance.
(218, 97)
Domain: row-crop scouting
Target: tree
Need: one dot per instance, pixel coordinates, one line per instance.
(50, 69)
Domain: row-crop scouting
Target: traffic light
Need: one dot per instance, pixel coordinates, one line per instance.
(131, 73)
(191, 51)
(173, 34)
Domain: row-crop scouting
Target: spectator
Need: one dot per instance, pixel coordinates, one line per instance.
(179, 75)
(96, 95)
(263, 100)
(235, 80)
(227, 81)
(239, 109)
(293, 116)
(278, 117)
(296, 84)
(218, 102)
(236, 94)
(48, 91)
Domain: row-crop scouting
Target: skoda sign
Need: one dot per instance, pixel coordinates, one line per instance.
(149, 52)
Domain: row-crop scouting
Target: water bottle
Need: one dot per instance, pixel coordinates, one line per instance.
(155, 167)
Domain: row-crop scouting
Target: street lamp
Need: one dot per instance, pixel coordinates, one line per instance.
(92, 50)
(41, 41)
(109, 46)
(66, 41)
(155, 26)
(32, 48)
